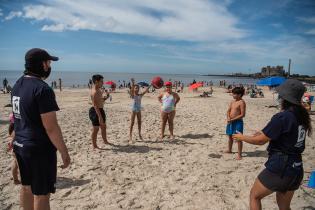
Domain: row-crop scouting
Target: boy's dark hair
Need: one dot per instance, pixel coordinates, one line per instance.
(11, 128)
(238, 91)
(96, 78)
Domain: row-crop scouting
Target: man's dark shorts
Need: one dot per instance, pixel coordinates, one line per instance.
(94, 118)
(38, 171)
(276, 183)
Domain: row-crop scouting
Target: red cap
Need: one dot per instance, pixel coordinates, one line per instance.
(168, 83)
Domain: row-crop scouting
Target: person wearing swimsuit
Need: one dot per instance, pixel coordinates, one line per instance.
(169, 100)
(96, 112)
(136, 107)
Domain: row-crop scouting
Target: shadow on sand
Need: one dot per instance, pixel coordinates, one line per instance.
(63, 182)
(257, 153)
(134, 149)
(213, 155)
(196, 136)
(170, 141)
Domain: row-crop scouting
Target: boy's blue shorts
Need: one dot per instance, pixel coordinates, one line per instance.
(237, 125)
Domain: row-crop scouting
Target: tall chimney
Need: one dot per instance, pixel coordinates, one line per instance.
(289, 68)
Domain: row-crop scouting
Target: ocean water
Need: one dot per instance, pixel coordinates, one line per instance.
(70, 78)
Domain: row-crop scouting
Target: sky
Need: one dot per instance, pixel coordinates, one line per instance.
(161, 36)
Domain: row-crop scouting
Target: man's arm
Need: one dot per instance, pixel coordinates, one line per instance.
(54, 133)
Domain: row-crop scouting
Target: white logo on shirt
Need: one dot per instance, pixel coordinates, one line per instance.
(16, 106)
(301, 137)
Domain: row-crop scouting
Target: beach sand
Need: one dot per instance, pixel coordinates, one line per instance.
(190, 172)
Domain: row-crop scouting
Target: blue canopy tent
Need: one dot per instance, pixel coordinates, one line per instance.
(143, 84)
(271, 81)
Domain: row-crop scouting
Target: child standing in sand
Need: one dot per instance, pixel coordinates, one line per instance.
(136, 107)
(96, 112)
(168, 99)
(235, 115)
(14, 165)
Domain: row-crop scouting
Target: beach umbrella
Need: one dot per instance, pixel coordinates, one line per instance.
(143, 84)
(195, 86)
(109, 83)
(271, 81)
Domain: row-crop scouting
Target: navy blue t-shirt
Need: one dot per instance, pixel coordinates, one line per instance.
(32, 97)
(288, 138)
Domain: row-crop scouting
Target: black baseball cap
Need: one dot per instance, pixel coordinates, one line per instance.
(291, 90)
(37, 54)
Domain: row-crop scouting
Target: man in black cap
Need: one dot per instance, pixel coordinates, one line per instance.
(37, 133)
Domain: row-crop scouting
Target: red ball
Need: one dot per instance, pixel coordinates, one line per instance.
(157, 82)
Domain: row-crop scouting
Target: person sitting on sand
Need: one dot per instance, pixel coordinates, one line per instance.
(96, 112)
(286, 134)
(169, 100)
(136, 107)
(235, 114)
(14, 165)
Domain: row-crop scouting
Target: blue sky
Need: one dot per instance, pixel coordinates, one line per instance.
(178, 36)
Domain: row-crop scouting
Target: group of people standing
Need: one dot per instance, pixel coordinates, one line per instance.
(37, 135)
(167, 98)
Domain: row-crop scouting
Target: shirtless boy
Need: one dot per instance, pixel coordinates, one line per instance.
(235, 115)
(96, 112)
(169, 99)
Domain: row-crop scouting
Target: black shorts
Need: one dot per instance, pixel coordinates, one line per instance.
(94, 118)
(276, 183)
(38, 171)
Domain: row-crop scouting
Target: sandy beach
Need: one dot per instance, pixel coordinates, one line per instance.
(190, 172)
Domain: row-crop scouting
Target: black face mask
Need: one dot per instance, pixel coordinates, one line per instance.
(46, 73)
(37, 69)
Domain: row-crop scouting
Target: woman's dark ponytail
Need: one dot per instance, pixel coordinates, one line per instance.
(302, 115)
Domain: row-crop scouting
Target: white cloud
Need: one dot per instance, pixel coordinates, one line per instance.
(310, 20)
(13, 14)
(192, 20)
(1, 14)
(55, 28)
(311, 32)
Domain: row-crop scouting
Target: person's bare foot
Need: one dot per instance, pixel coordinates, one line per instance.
(140, 137)
(16, 181)
(227, 151)
(238, 157)
(95, 147)
(106, 142)
(161, 138)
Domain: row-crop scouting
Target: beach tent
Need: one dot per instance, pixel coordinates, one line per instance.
(143, 84)
(271, 81)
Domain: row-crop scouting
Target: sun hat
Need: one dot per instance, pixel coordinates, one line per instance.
(168, 83)
(291, 90)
